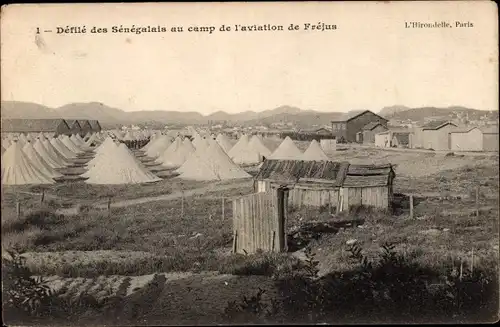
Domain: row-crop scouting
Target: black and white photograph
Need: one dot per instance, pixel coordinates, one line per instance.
(229, 163)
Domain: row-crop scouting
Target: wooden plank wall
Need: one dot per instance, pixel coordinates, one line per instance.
(257, 219)
(378, 197)
(313, 197)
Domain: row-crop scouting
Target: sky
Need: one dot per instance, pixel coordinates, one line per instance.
(370, 61)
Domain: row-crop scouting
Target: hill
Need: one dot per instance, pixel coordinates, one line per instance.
(283, 114)
(421, 114)
(388, 111)
(19, 109)
(93, 110)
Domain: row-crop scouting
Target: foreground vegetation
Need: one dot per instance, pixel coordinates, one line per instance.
(391, 288)
(440, 265)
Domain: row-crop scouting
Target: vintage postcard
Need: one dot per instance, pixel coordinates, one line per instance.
(250, 163)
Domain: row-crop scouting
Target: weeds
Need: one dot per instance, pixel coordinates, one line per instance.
(390, 288)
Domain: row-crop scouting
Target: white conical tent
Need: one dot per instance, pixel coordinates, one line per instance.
(211, 163)
(174, 155)
(54, 153)
(39, 162)
(87, 136)
(104, 145)
(314, 152)
(224, 142)
(287, 150)
(106, 149)
(242, 153)
(240, 145)
(3, 149)
(42, 137)
(17, 169)
(62, 149)
(257, 144)
(119, 167)
(158, 147)
(21, 141)
(192, 157)
(71, 145)
(94, 138)
(6, 143)
(23, 138)
(77, 141)
(52, 159)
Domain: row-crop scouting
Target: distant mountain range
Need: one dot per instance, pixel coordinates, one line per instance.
(283, 114)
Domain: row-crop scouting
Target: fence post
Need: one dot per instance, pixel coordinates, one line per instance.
(109, 206)
(472, 263)
(182, 205)
(411, 206)
(329, 202)
(235, 235)
(477, 201)
(42, 196)
(18, 209)
(461, 268)
(223, 208)
(274, 240)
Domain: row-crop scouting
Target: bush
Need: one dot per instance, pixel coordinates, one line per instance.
(391, 288)
(22, 293)
(43, 219)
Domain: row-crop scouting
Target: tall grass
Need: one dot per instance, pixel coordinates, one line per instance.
(391, 288)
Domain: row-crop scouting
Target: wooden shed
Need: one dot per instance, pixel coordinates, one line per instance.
(368, 185)
(311, 183)
(74, 126)
(435, 135)
(369, 131)
(96, 126)
(320, 183)
(85, 126)
(490, 138)
(466, 139)
(350, 125)
(35, 126)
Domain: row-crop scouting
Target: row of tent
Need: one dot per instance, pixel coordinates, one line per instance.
(26, 161)
(36, 162)
(246, 151)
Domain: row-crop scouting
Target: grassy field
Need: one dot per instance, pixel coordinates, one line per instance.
(190, 235)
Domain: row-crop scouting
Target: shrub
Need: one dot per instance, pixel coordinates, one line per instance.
(391, 288)
(23, 294)
(43, 219)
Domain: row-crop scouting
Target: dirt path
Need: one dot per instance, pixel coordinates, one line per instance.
(171, 196)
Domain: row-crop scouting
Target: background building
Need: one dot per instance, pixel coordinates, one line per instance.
(346, 128)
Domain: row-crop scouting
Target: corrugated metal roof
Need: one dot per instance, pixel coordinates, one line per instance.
(326, 172)
(369, 175)
(31, 125)
(437, 124)
(366, 181)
